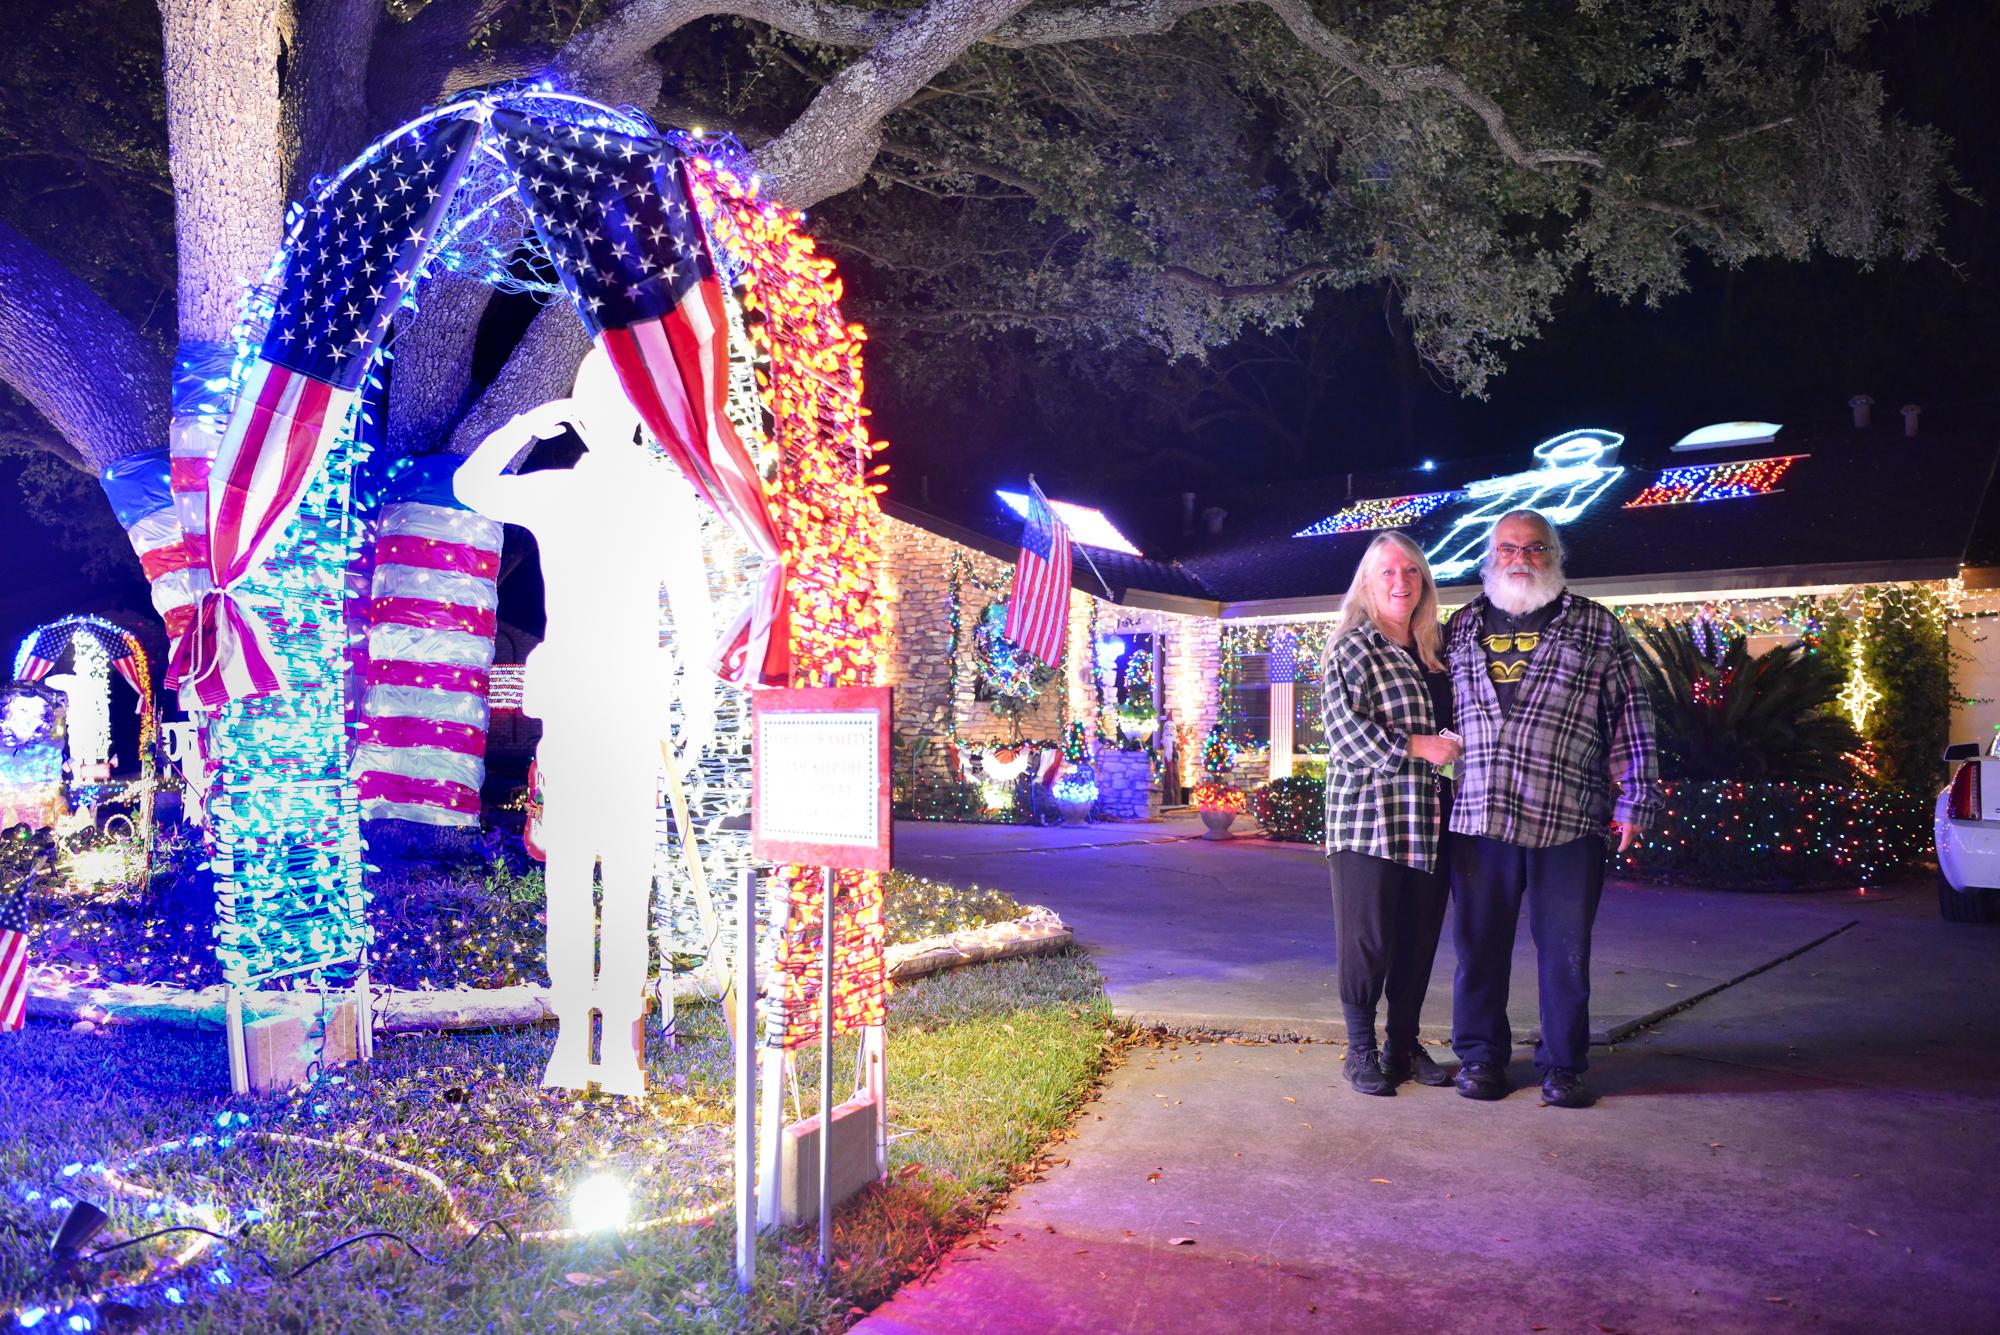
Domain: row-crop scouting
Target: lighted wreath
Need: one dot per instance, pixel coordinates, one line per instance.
(1010, 676)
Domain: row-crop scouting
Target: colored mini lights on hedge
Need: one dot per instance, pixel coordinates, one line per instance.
(1696, 484)
(1385, 512)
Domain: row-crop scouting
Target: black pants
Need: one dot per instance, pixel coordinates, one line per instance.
(1562, 885)
(1386, 920)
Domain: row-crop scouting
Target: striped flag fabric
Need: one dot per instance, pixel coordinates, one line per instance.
(615, 214)
(424, 709)
(14, 958)
(1038, 613)
(357, 256)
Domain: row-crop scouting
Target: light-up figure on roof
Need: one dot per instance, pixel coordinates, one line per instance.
(1576, 468)
(611, 531)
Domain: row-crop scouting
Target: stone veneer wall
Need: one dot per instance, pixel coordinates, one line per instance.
(916, 567)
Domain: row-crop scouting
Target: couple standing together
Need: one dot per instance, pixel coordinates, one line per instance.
(1557, 756)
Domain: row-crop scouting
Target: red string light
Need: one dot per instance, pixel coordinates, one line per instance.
(809, 375)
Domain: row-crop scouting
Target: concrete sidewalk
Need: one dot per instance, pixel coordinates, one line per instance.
(1237, 936)
(1811, 1148)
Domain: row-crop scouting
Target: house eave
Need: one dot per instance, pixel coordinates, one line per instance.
(1639, 590)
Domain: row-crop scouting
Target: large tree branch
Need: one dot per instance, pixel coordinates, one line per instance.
(223, 135)
(542, 367)
(79, 362)
(325, 110)
(419, 61)
(433, 367)
(829, 147)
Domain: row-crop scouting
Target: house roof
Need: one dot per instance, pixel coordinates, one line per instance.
(1854, 507)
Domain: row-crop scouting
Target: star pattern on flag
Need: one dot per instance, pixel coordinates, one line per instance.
(358, 256)
(616, 223)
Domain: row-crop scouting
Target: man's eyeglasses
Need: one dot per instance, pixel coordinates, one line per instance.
(1534, 551)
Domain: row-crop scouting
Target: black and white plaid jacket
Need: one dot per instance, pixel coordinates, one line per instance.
(1581, 724)
(1380, 799)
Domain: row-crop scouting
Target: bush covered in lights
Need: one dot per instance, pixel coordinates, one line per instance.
(1755, 834)
(1293, 809)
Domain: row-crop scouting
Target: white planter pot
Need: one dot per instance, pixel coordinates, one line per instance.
(1218, 823)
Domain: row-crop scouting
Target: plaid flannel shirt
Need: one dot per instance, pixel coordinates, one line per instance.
(1380, 799)
(1543, 774)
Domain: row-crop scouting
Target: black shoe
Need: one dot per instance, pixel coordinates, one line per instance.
(1481, 1080)
(1564, 1088)
(1363, 1069)
(1413, 1063)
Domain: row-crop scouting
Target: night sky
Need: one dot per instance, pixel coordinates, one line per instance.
(1783, 342)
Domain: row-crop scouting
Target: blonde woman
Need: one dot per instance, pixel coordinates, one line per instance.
(1388, 699)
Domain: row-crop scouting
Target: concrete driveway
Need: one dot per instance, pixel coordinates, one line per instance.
(1810, 1147)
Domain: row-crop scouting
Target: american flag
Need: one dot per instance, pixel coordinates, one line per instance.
(614, 213)
(42, 655)
(357, 256)
(1038, 613)
(14, 958)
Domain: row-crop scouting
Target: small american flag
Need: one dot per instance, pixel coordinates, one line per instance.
(614, 212)
(14, 958)
(358, 255)
(1038, 613)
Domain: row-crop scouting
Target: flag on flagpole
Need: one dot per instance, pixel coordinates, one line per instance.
(14, 957)
(358, 254)
(614, 212)
(1038, 613)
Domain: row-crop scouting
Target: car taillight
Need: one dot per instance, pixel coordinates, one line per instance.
(1964, 804)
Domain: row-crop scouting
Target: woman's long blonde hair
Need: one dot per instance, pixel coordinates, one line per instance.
(1359, 605)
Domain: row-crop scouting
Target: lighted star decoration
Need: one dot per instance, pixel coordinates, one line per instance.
(1858, 697)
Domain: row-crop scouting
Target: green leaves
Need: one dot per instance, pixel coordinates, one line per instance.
(1771, 717)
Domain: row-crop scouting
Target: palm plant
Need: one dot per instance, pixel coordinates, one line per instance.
(1774, 716)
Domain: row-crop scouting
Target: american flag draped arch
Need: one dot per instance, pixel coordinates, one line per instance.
(309, 603)
(608, 211)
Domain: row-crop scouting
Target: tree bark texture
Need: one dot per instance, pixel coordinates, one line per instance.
(223, 136)
(326, 117)
(78, 361)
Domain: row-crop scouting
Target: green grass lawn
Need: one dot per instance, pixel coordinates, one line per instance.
(985, 1065)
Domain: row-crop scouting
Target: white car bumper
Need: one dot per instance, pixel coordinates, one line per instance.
(1968, 851)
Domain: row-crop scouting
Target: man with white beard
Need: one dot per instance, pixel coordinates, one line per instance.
(1548, 694)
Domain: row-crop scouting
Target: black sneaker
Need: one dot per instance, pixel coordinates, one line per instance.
(1564, 1088)
(1413, 1063)
(1363, 1069)
(1481, 1080)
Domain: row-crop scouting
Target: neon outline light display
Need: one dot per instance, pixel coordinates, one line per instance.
(1385, 512)
(1697, 484)
(1573, 474)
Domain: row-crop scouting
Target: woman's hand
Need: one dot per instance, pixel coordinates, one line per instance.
(1438, 750)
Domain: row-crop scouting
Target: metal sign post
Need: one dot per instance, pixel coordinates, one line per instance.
(746, 1082)
(820, 803)
(826, 891)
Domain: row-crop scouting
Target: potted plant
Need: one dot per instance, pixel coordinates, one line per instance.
(1138, 720)
(1075, 787)
(1218, 803)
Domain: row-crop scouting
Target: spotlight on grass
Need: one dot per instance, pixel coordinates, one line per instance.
(600, 1204)
(84, 1222)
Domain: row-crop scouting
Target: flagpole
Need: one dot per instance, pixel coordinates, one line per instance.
(1102, 583)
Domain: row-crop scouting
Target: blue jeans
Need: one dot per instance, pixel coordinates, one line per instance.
(1562, 885)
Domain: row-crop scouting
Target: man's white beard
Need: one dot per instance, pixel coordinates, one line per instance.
(1519, 590)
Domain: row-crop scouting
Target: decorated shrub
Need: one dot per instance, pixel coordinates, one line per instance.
(1761, 834)
(1293, 809)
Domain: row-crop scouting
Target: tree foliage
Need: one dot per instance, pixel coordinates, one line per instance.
(1178, 173)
